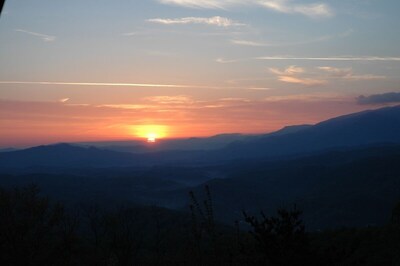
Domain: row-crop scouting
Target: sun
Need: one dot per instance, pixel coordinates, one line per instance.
(151, 137)
(149, 132)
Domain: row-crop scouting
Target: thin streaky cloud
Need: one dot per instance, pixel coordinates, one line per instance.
(226, 61)
(249, 43)
(98, 84)
(64, 100)
(259, 89)
(301, 81)
(44, 37)
(102, 84)
(289, 58)
(347, 73)
(210, 4)
(213, 21)
(312, 10)
(131, 33)
(293, 74)
(350, 58)
(291, 70)
(265, 44)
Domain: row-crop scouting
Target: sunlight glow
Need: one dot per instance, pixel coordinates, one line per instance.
(150, 132)
(151, 137)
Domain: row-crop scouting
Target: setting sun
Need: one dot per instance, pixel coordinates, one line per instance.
(151, 137)
(150, 132)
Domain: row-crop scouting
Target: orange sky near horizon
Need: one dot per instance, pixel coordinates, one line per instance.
(34, 123)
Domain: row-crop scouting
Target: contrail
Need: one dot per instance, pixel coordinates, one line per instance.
(366, 58)
(99, 84)
(104, 84)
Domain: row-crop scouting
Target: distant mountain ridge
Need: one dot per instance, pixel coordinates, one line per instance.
(355, 130)
(63, 155)
(185, 144)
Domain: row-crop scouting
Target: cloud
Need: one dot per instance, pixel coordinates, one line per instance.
(322, 38)
(126, 106)
(384, 98)
(347, 73)
(214, 21)
(344, 58)
(248, 43)
(327, 59)
(312, 10)
(337, 72)
(44, 37)
(105, 84)
(292, 74)
(306, 98)
(291, 70)
(259, 89)
(64, 100)
(211, 4)
(177, 99)
(99, 84)
(295, 74)
(302, 81)
(225, 61)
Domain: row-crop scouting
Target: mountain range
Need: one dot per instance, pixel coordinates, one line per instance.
(355, 130)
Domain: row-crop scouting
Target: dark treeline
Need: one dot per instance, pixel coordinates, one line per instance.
(36, 231)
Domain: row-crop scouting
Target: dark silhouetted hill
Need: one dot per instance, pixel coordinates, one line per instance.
(63, 155)
(362, 129)
(354, 130)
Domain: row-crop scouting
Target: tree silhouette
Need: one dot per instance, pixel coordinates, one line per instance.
(283, 239)
(28, 228)
(1, 5)
(396, 214)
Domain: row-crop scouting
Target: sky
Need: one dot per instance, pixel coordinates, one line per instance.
(117, 70)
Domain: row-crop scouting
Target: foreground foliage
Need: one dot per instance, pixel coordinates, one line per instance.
(35, 231)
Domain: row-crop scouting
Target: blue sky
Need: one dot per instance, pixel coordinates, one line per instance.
(262, 58)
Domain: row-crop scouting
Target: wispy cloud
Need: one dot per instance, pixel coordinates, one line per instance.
(294, 42)
(213, 21)
(291, 70)
(313, 10)
(212, 4)
(347, 73)
(384, 98)
(308, 98)
(326, 59)
(176, 99)
(133, 33)
(44, 37)
(302, 81)
(226, 61)
(319, 75)
(99, 84)
(259, 88)
(292, 74)
(103, 84)
(64, 100)
(344, 58)
(126, 106)
(249, 43)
